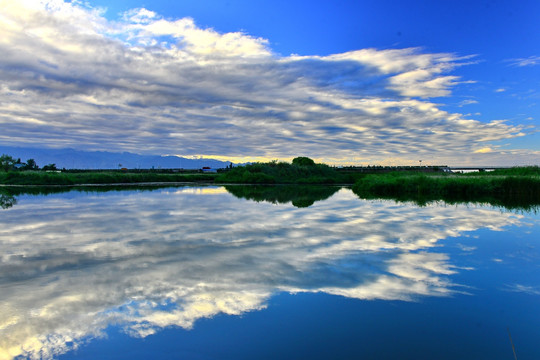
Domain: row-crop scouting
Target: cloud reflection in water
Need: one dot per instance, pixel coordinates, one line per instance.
(74, 264)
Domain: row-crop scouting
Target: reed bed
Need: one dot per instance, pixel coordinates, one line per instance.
(98, 177)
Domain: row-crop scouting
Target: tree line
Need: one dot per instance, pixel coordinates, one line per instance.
(9, 163)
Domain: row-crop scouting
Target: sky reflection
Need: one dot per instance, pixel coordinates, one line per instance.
(73, 264)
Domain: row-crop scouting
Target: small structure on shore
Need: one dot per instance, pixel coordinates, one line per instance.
(208, 169)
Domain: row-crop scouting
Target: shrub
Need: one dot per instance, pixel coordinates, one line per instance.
(303, 161)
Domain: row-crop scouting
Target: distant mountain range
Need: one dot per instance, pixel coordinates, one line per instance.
(77, 159)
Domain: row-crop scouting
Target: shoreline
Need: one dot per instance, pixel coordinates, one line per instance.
(126, 184)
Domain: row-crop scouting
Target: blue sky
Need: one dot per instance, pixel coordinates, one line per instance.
(362, 82)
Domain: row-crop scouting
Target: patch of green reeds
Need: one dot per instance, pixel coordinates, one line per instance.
(98, 177)
(513, 191)
(515, 171)
(284, 173)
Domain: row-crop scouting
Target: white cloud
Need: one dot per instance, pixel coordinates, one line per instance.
(145, 27)
(530, 290)
(484, 150)
(467, 102)
(140, 16)
(151, 85)
(530, 61)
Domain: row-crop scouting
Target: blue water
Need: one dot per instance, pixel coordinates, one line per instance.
(195, 273)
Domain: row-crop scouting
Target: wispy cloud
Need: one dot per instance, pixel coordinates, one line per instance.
(146, 84)
(466, 248)
(526, 289)
(530, 61)
(467, 102)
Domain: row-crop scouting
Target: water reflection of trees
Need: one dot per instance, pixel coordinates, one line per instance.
(512, 202)
(299, 196)
(9, 194)
(7, 201)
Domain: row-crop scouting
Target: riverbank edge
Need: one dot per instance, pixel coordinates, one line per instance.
(508, 191)
(378, 183)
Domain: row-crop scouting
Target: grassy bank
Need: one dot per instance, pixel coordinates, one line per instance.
(505, 186)
(259, 173)
(301, 171)
(517, 187)
(97, 177)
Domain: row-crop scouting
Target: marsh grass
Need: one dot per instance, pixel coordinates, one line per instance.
(510, 190)
(95, 177)
(285, 173)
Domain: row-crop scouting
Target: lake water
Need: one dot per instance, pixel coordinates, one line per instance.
(198, 273)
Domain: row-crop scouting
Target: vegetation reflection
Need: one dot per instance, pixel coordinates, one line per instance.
(8, 194)
(6, 200)
(513, 189)
(299, 196)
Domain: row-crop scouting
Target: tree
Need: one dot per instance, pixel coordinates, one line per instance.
(50, 167)
(303, 161)
(6, 162)
(31, 165)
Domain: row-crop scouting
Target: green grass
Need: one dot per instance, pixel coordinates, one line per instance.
(285, 173)
(509, 188)
(514, 171)
(97, 177)
(513, 187)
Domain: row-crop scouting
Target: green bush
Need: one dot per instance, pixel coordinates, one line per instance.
(303, 161)
(300, 172)
(509, 191)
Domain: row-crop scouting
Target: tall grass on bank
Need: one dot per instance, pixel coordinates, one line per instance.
(68, 178)
(284, 173)
(514, 171)
(505, 190)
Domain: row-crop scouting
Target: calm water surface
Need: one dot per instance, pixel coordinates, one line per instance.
(197, 273)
